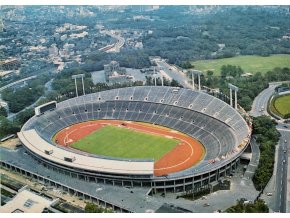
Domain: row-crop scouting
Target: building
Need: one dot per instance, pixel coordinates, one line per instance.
(27, 201)
(9, 64)
(53, 50)
(116, 74)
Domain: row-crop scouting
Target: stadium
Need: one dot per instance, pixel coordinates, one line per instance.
(169, 139)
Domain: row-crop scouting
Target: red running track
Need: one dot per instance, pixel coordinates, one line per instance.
(186, 154)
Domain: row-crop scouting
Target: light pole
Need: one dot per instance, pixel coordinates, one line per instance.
(192, 76)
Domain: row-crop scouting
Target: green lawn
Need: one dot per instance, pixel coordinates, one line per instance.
(249, 63)
(125, 143)
(282, 105)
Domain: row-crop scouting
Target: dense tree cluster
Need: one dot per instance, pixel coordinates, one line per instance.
(179, 36)
(20, 98)
(24, 116)
(11, 127)
(127, 58)
(230, 70)
(267, 136)
(7, 127)
(258, 206)
(216, 35)
(64, 85)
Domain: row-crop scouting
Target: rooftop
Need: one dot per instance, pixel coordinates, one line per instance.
(26, 202)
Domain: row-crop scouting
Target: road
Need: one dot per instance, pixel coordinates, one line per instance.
(279, 197)
(47, 89)
(16, 82)
(261, 101)
(116, 46)
(282, 168)
(174, 73)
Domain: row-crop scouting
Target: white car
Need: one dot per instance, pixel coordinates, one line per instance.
(269, 194)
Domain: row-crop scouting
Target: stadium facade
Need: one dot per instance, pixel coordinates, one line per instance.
(220, 128)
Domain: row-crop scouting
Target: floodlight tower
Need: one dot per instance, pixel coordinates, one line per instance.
(198, 73)
(75, 77)
(236, 89)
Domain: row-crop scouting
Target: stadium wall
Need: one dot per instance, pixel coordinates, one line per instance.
(181, 184)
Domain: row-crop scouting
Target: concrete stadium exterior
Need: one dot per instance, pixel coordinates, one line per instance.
(220, 128)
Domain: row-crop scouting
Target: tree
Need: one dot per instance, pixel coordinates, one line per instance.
(3, 112)
(246, 102)
(224, 71)
(175, 83)
(187, 65)
(209, 73)
(91, 208)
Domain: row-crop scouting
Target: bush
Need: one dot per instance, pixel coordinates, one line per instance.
(92, 208)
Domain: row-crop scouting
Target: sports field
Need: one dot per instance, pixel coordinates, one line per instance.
(249, 63)
(115, 141)
(282, 105)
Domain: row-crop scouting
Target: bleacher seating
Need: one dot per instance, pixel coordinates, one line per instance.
(214, 123)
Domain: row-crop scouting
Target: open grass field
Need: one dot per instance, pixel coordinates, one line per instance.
(121, 142)
(249, 63)
(282, 105)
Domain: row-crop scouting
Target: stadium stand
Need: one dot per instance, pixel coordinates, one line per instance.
(218, 126)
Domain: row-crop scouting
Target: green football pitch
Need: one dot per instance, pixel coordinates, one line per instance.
(282, 105)
(120, 142)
